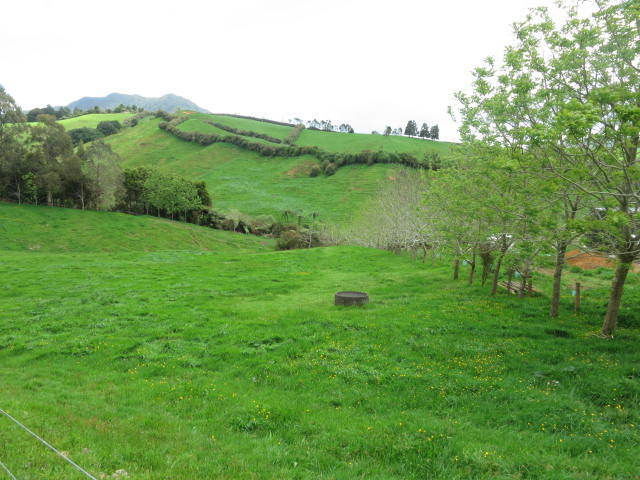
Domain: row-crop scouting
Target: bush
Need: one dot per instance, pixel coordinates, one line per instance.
(294, 135)
(315, 171)
(109, 127)
(330, 170)
(289, 240)
(84, 135)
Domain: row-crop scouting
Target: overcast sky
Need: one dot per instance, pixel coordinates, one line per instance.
(367, 62)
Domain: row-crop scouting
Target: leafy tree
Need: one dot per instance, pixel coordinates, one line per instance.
(84, 135)
(9, 111)
(102, 167)
(424, 131)
(434, 133)
(411, 129)
(171, 194)
(107, 128)
(387, 131)
(568, 97)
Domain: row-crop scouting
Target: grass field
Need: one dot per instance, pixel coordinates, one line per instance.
(92, 120)
(277, 131)
(236, 365)
(47, 229)
(244, 181)
(357, 142)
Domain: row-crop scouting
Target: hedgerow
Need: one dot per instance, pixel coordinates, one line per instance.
(329, 162)
(244, 133)
(294, 135)
(257, 119)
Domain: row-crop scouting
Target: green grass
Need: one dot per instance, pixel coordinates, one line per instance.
(47, 229)
(277, 131)
(244, 181)
(91, 120)
(237, 366)
(357, 142)
(198, 125)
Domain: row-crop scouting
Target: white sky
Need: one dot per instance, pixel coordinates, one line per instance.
(367, 62)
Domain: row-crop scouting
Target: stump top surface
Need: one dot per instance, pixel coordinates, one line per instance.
(352, 294)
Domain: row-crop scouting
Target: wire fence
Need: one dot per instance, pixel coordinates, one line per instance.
(46, 444)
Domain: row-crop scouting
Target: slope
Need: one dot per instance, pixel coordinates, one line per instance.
(47, 229)
(231, 366)
(244, 181)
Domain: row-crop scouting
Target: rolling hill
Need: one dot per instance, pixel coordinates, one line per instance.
(168, 103)
(244, 181)
(228, 365)
(44, 229)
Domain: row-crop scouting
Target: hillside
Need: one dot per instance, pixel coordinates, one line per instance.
(168, 103)
(244, 181)
(46, 229)
(183, 366)
(91, 120)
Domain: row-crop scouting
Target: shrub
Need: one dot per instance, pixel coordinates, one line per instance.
(84, 135)
(289, 240)
(109, 127)
(330, 170)
(294, 135)
(315, 171)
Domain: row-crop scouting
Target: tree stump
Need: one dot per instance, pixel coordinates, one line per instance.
(351, 298)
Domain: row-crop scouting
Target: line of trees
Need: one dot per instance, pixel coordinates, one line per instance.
(549, 159)
(411, 130)
(564, 108)
(39, 165)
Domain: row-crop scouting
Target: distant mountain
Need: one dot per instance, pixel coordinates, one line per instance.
(168, 103)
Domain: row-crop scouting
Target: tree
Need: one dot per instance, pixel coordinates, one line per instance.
(411, 129)
(568, 97)
(424, 131)
(434, 133)
(107, 128)
(171, 194)
(387, 131)
(397, 221)
(9, 111)
(84, 135)
(102, 167)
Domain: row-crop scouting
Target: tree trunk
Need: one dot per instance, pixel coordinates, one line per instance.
(472, 271)
(611, 317)
(561, 251)
(523, 284)
(456, 269)
(496, 274)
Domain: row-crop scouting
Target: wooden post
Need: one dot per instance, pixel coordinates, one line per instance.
(577, 298)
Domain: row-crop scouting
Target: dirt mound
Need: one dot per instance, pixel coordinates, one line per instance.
(590, 261)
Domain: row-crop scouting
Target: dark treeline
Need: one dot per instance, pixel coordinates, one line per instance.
(330, 162)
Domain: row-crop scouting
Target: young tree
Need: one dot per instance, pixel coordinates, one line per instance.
(568, 96)
(102, 167)
(387, 131)
(424, 131)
